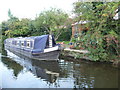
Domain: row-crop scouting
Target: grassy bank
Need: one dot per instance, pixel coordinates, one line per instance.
(64, 42)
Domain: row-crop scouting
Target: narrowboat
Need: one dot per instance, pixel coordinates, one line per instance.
(36, 47)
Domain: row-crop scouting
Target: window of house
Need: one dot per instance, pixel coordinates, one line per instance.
(85, 30)
(76, 31)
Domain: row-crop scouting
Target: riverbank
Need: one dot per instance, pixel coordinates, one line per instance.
(76, 55)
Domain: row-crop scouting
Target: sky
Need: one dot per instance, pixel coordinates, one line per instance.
(31, 8)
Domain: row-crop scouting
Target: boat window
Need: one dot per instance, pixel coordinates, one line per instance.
(28, 44)
(15, 43)
(22, 43)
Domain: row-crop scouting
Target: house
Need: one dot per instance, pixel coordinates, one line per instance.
(79, 27)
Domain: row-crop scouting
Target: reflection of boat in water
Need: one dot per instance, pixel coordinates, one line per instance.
(36, 47)
(46, 70)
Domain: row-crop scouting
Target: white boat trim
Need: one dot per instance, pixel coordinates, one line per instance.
(50, 41)
(51, 49)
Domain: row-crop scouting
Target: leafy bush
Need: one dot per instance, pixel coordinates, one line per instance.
(102, 39)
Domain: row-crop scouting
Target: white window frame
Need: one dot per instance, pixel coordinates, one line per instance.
(50, 41)
(32, 43)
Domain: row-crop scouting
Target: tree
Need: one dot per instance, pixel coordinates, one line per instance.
(82, 10)
(20, 28)
(11, 17)
(16, 28)
(51, 21)
(10, 14)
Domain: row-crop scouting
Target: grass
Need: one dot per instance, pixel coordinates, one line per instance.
(65, 42)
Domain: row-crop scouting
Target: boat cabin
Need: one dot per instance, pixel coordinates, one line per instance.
(38, 43)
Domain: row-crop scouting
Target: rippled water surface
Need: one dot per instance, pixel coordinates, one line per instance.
(21, 72)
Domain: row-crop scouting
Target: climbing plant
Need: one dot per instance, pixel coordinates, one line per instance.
(102, 38)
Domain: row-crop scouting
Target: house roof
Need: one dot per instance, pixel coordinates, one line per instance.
(117, 15)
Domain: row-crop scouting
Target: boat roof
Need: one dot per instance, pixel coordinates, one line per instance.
(32, 37)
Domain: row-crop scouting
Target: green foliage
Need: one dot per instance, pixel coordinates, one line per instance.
(16, 28)
(66, 35)
(102, 39)
(52, 21)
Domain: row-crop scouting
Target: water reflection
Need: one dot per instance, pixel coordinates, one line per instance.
(46, 70)
(95, 75)
(12, 65)
(57, 74)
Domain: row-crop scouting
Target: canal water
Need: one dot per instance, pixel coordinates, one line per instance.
(20, 72)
